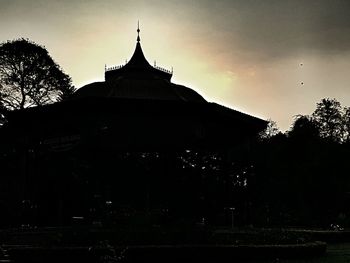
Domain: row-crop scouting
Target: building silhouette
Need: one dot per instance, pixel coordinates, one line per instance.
(133, 148)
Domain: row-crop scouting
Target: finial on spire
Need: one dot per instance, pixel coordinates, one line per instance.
(138, 31)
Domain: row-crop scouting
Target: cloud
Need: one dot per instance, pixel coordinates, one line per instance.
(269, 28)
(277, 29)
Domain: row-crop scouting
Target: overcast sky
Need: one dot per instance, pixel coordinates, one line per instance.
(245, 54)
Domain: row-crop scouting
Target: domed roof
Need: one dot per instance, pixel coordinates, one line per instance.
(138, 80)
(158, 89)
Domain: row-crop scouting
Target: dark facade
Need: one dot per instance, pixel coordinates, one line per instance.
(134, 147)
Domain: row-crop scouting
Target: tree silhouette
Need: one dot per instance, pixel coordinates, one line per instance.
(29, 76)
(346, 125)
(328, 117)
(270, 131)
(304, 127)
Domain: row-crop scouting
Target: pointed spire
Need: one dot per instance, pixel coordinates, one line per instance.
(138, 31)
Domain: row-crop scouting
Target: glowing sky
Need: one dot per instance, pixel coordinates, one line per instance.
(245, 54)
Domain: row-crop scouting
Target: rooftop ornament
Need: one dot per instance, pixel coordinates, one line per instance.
(138, 39)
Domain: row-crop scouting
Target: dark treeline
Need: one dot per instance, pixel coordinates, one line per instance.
(303, 174)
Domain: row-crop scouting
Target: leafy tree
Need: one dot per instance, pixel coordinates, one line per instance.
(346, 125)
(270, 131)
(29, 76)
(304, 127)
(328, 118)
(300, 178)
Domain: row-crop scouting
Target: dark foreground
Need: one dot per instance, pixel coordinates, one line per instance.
(98, 245)
(336, 253)
(165, 253)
